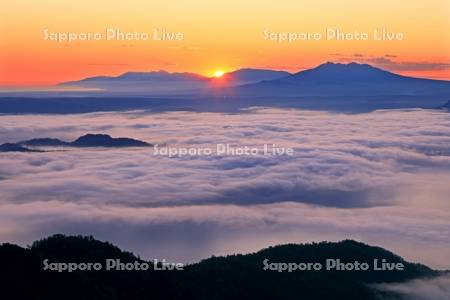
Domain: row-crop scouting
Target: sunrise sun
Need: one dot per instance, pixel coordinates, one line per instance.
(218, 73)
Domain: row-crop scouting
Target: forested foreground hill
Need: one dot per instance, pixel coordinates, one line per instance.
(232, 277)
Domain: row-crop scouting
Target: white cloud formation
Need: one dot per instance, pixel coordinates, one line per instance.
(380, 177)
(437, 288)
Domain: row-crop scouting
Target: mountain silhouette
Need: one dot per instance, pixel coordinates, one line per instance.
(156, 76)
(10, 147)
(342, 73)
(88, 140)
(231, 277)
(160, 76)
(142, 82)
(104, 140)
(249, 75)
(353, 79)
(351, 87)
(165, 82)
(43, 142)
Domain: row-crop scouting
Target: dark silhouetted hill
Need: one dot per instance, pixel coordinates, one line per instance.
(41, 142)
(88, 140)
(149, 77)
(104, 140)
(231, 277)
(162, 82)
(329, 73)
(353, 79)
(9, 147)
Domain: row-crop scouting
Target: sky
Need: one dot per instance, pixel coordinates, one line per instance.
(217, 35)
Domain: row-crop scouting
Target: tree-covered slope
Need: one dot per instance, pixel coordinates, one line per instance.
(232, 277)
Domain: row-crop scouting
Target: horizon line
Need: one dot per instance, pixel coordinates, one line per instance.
(46, 85)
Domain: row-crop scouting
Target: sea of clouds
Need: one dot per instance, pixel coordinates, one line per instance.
(381, 177)
(436, 288)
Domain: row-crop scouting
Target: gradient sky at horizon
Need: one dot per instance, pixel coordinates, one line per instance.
(218, 35)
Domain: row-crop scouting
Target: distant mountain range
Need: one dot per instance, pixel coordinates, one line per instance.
(353, 79)
(217, 278)
(248, 76)
(165, 82)
(349, 87)
(88, 140)
(331, 79)
(333, 73)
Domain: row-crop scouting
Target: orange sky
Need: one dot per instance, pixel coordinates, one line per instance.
(223, 35)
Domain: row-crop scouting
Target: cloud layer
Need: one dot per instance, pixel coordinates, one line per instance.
(423, 289)
(380, 177)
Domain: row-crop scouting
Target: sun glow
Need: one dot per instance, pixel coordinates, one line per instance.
(218, 73)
